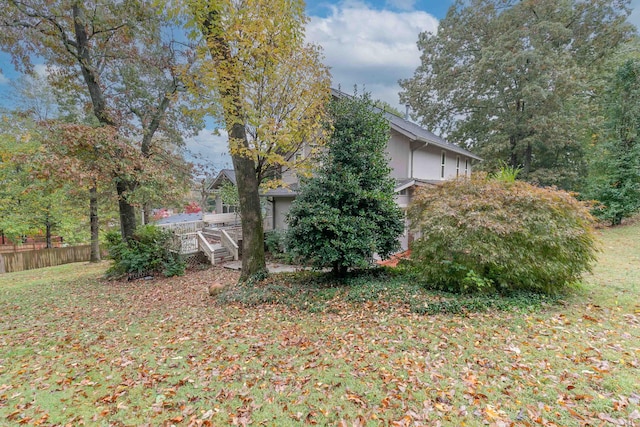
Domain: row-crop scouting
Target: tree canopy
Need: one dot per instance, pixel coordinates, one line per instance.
(510, 78)
(114, 57)
(614, 178)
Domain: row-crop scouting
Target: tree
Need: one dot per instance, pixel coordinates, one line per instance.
(110, 54)
(346, 213)
(86, 156)
(30, 202)
(268, 87)
(509, 78)
(615, 168)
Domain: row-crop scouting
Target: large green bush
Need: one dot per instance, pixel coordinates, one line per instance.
(345, 213)
(149, 251)
(484, 234)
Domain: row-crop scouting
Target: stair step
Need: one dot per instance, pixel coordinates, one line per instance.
(211, 236)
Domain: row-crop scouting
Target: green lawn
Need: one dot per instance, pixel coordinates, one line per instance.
(76, 350)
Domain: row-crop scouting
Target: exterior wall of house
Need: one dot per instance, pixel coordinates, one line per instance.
(281, 206)
(402, 200)
(289, 177)
(399, 154)
(427, 163)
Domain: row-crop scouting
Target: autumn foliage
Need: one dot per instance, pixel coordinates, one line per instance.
(488, 234)
(192, 208)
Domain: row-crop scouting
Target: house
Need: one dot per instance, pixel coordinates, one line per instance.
(417, 157)
(224, 176)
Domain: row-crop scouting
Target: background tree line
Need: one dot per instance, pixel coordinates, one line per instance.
(550, 87)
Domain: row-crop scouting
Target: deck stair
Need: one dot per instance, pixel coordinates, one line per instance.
(221, 254)
(217, 245)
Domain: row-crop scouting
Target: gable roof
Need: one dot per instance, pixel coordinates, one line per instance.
(228, 174)
(413, 131)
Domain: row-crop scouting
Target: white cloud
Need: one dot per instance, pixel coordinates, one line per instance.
(209, 147)
(371, 48)
(3, 80)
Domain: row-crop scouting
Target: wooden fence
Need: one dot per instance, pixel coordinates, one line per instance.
(19, 261)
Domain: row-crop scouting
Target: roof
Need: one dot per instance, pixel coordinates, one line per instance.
(405, 183)
(228, 174)
(400, 185)
(183, 217)
(291, 191)
(414, 131)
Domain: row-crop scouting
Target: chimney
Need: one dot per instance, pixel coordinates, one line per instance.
(406, 112)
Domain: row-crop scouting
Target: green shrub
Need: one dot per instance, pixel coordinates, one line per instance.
(147, 252)
(345, 212)
(485, 234)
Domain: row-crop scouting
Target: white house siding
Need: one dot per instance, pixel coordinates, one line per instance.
(398, 154)
(426, 163)
(281, 207)
(402, 200)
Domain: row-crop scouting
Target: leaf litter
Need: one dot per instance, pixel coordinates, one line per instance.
(163, 352)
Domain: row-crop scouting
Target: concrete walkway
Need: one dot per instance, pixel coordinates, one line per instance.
(271, 266)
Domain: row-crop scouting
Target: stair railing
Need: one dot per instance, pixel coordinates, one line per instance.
(205, 247)
(229, 243)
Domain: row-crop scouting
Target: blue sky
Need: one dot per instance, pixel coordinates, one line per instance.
(371, 44)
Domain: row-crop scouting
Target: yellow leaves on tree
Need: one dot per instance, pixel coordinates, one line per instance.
(281, 84)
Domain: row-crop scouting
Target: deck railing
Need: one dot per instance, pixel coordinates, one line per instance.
(184, 227)
(188, 243)
(229, 243)
(205, 247)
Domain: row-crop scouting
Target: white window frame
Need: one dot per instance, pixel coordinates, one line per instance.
(443, 162)
(457, 166)
(466, 167)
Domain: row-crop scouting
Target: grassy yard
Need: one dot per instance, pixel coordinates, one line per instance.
(77, 350)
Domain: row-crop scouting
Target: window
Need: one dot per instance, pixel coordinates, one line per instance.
(457, 166)
(403, 192)
(466, 167)
(442, 163)
(229, 209)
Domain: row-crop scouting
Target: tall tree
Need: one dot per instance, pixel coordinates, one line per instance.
(346, 212)
(614, 178)
(109, 53)
(509, 77)
(30, 202)
(269, 88)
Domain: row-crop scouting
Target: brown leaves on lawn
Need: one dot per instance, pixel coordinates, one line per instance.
(163, 352)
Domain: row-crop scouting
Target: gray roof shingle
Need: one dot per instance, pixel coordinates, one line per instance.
(414, 131)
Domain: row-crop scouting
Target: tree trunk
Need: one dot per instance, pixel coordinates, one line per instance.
(146, 214)
(93, 220)
(513, 156)
(253, 261)
(48, 233)
(527, 161)
(127, 211)
(339, 270)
